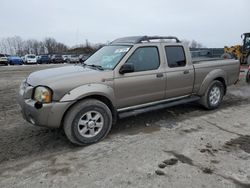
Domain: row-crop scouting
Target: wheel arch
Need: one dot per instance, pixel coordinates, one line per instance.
(99, 97)
(217, 74)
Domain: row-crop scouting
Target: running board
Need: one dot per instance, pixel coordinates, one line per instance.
(157, 107)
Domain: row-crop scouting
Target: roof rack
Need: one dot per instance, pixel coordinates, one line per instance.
(140, 39)
(148, 38)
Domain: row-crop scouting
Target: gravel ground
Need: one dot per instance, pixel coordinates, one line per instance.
(184, 146)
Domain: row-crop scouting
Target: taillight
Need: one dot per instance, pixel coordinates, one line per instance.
(238, 75)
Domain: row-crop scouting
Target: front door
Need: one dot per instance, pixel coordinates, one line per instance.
(146, 84)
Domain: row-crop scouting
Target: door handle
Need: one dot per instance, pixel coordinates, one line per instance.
(185, 71)
(159, 75)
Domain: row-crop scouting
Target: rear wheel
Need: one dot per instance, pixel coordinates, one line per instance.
(248, 77)
(248, 60)
(213, 96)
(87, 122)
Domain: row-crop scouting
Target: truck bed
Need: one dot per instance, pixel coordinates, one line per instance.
(202, 59)
(203, 67)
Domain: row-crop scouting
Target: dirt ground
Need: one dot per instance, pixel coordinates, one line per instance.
(183, 146)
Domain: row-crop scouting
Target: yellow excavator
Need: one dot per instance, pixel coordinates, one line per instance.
(240, 52)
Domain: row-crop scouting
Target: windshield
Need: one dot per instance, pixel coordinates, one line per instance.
(108, 56)
(31, 56)
(247, 42)
(14, 57)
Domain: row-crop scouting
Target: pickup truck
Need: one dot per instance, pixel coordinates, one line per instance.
(131, 75)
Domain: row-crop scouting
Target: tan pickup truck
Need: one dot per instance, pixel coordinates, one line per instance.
(129, 76)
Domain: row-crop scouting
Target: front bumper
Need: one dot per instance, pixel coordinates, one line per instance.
(30, 62)
(50, 115)
(16, 62)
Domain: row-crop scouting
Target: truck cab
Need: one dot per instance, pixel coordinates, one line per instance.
(245, 58)
(152, 62)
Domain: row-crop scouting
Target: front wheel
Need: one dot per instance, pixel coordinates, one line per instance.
(87, 122)
(213, 96)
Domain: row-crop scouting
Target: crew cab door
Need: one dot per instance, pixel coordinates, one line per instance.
(179, 71)
(146, 83)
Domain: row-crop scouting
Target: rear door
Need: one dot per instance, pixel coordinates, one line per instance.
(179, 72)
(146, 84)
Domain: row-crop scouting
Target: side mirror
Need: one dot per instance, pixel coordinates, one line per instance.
(127, 68)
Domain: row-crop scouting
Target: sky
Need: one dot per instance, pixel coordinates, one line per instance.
(213, 23)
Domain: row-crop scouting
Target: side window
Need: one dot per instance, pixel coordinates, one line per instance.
(145, 58)
(175, 56)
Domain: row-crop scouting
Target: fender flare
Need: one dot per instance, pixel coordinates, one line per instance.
(88, 90)
(213, 75)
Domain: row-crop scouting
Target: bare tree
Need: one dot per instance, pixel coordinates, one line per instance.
(3, 46)
(192, 44)
(42, 48)
(60, 48)
(11, 45)
(50, 44)
(16, 46)
(186, 42)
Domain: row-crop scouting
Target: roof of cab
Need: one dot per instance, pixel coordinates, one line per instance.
(141, 39)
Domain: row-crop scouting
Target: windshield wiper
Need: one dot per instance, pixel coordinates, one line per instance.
(95, 66)
(83, 64)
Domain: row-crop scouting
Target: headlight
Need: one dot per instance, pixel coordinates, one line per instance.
(42, 94)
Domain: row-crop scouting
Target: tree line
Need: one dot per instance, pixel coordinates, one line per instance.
(17, 46)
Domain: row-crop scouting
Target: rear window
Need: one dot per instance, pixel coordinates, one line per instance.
(1, 55)
(175, 56)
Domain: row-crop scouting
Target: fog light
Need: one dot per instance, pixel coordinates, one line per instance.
(38, 105)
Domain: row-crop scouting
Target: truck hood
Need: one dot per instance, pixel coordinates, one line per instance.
(62, 80)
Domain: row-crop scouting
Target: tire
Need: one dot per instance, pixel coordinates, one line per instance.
(213, 96)
(87, 122)
(248, 77)
(248, 59)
